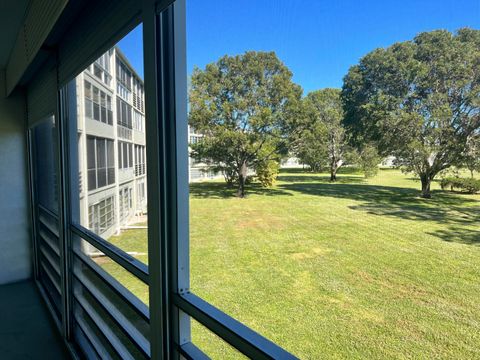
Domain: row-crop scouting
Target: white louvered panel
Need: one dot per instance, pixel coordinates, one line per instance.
(40, 18)
(17, 63)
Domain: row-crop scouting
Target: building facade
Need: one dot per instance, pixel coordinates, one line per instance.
(111, 144)
(198, 171)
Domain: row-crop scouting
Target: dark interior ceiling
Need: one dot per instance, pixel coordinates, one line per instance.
(12, 13)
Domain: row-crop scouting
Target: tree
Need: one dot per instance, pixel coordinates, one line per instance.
(417, 100)
(245, 105)
(311, 145)
(323, 141)
(368, 160)
(472, 156)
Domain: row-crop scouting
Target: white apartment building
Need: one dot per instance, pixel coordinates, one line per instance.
(111, 143)
(198, 171)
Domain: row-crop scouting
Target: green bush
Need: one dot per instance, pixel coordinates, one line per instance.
(468, 185)
(267, 172)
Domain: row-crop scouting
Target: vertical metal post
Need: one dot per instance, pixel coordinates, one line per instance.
(174, 172)
(33, 207)
(64, 219)
(167, 176)
(158, 290)
(180, 268)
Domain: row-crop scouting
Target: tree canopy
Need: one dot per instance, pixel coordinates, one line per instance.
(246, 106)
(322, 142)
(417, 100)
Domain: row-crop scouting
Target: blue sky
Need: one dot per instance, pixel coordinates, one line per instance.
(318, 40)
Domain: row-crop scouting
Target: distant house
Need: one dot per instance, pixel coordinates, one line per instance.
(389, 161)
(291, 162)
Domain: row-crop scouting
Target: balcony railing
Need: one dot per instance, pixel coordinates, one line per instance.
(140, 169)
(124, 133)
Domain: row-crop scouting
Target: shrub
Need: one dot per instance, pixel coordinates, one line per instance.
(267, 172)
(470, 186)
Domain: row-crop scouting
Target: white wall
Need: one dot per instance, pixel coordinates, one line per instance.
(15, 245)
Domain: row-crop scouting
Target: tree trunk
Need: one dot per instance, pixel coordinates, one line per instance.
(426, 181)
(333, 170)
(241, 180)
(333, 174)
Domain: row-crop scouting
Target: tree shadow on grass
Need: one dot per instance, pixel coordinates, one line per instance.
(459, 235)
(219, 190)
(454, 211)
(350, 170)
(341, 179)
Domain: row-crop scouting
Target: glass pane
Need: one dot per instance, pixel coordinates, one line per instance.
(44, 140)
(88, 108)
(330, 151)
(212, 345)
(96, 111)
(101, 177)
(88, 90)
(130, 155)
(125, 154)
(103, 115)
(108, 159)
(101, 153)
(92, 179)
(110, 154)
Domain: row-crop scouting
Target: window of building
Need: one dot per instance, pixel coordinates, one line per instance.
(109, 110)
(101, 68)
(98, 104)
(101, 215)
(124, 114)
(125, 203)
(138, 121)
(125, 155)
(100, 162)
(97, 71)
(124, 75)
(140, 192)
(138, 94)
(140, 162)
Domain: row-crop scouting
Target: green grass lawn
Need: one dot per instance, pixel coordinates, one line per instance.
(353, 269)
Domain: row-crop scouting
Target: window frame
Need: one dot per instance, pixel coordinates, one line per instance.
(168, 275)
(169, 288)
(108, 157)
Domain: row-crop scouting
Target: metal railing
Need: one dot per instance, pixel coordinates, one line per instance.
(232, 331)
(128, 262)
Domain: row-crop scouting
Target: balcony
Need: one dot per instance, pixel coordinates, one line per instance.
(26, 327)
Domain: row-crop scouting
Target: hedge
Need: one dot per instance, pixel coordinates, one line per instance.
(468, 185)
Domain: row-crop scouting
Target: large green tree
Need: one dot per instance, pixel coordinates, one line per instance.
(322, 143)
(417, 100)
(246, 106)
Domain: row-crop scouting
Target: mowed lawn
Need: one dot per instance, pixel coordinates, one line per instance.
(353, 269)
